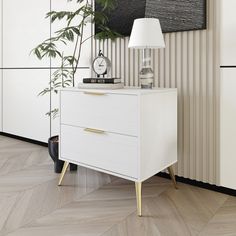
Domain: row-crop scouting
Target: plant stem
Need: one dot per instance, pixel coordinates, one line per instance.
(87, 38)
(80, 44)
(73, 68)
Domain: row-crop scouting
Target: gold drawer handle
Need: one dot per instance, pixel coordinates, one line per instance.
(97, 131)
(94, 93)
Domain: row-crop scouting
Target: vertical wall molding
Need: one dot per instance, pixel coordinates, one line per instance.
(189, 62)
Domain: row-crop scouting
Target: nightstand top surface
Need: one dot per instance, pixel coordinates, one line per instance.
(125, 90)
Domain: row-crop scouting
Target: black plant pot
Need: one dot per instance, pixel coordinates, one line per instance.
(53, 146)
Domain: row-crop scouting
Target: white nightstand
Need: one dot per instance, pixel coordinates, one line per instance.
(130, 133)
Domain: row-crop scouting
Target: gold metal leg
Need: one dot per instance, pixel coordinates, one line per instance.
(138, 187)
(65, 166)
(172, 175)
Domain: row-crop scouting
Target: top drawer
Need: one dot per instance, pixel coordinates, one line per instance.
(116, 113)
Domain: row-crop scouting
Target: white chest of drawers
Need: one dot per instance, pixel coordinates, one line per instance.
(130, 133)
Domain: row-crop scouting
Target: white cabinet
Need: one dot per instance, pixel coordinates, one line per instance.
(24, 27)
(130, 133)
(1, 33)
(1, 71)
(0, 65)
(24, 111)
(228, 32)
(228, 128)
(227, 94)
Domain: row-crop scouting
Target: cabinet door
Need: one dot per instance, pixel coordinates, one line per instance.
(228, 128)
(24, 27)
(1, 100)
(0, 65)
(85, 59)
(109, 152)
(228, 32)
(23, 110)
(1, 33)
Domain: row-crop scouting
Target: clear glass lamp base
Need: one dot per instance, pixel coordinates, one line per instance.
(146, 77)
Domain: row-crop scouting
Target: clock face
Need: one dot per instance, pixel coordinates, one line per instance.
(101, 65)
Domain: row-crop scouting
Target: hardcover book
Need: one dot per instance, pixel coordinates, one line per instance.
(102, 80)
(100, 86)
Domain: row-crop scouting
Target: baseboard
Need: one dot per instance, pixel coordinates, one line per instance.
(24, 139)
(200, 184)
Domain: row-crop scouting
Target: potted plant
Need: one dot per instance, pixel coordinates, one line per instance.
(72, 33)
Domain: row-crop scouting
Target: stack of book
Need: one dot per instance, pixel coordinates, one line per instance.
(101, 83)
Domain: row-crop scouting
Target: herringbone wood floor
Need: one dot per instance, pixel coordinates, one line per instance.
(91, 203)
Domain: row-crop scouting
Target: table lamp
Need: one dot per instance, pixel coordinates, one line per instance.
(146, 34)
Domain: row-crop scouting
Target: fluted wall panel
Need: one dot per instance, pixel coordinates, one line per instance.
(189, 62)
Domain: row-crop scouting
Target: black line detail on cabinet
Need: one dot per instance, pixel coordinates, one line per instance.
(227, 66)
(200, 184)
(24, 139)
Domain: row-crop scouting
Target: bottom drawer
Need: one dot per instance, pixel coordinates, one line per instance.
(108, 151)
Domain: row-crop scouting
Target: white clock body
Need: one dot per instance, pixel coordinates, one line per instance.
(101, 65)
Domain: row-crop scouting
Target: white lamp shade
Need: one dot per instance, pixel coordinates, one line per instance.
(146, 33)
